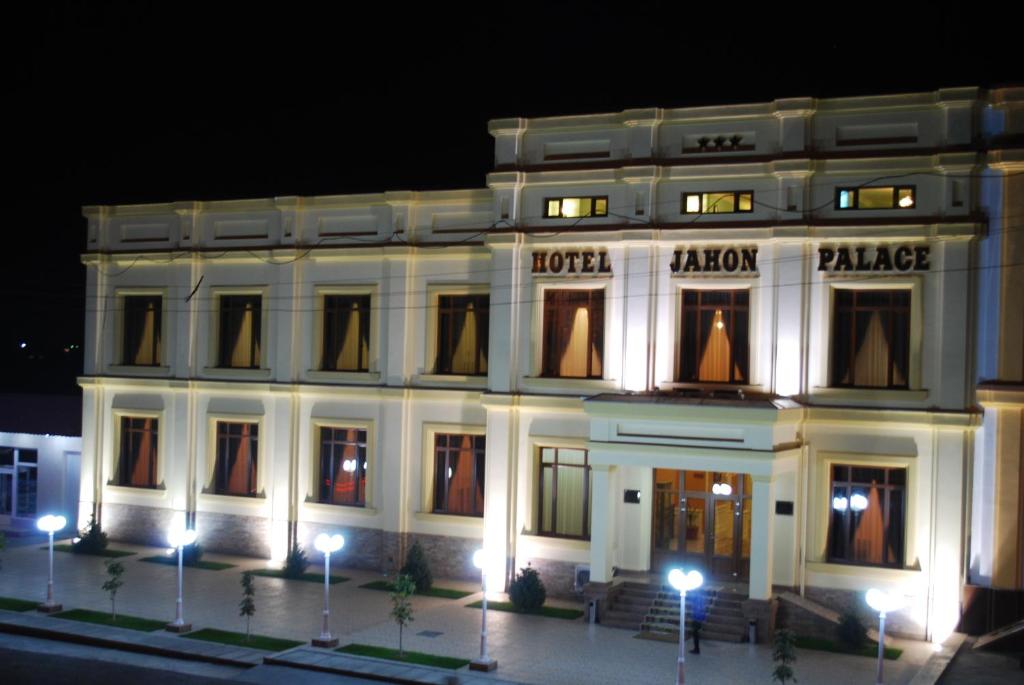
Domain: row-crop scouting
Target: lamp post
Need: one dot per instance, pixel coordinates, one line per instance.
(50, 524)
(484, 663)
(179, 537)
(883, 603)
(327, 545)
(683, 583)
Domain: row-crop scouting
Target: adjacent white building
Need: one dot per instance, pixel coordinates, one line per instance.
(746, 338)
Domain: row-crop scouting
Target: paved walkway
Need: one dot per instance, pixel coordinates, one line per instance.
(529, 649)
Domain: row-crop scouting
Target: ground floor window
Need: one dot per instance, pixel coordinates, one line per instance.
(235, 469)
(19, 481)
(459, 474)
(343, 466)
(868, 515)
(137, 462)
(565, 484)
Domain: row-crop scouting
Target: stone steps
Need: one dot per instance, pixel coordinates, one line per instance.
(654, 609)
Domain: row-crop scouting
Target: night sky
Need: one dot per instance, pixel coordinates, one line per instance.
(144, 102)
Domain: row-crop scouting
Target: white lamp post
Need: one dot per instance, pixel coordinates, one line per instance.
(683, 583)
(179, 537)
(327, 545)
(883, 603)
(484, 663)
(50, 524)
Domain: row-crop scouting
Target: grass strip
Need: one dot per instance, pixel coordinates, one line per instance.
(226, 637)
(112, 553)
(409, 657)
(308, 577)
(172, 560)
(869, 650)
(12, 604)
(146, 625)
(550, 612)
(447, 593)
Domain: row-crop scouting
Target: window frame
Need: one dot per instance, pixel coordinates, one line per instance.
(316, 494)
(158, 343)
(849, 483)
(832, 340)
(561, 198)
(119, 472)
(431, 323)
(483, 351)
(543, 337)
(219, 341)
(856, 201)
(435, 448)
(322, 338)
(428, 470)
(700, 195)
(117, 354)
(681, 325)
(261, 466)
(587, 494)
(112, 460)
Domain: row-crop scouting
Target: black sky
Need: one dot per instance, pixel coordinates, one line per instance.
(143, 101)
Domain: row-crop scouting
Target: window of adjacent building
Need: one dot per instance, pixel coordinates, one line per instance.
(136, 465)
(240, 318)
(575, 207)
(19, 481)
(459, 474)
(343, 466)
(871, 338)
(573, 333)
(718, 203)
(462, 334)
(565, 484)
(878, 197)
(714, 338)
(235, 468)
(868, 515)
(346, 333)
(141, 343)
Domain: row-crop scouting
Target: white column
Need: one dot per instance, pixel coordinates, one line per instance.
(602, 524)
(498, 494)
(761, 519)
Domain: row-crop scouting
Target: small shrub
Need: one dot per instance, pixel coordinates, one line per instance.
(784, 654)
(851, 633)
(401, 607)
(417, 568)
(92, 540)
(191, 554)
(296, 563)
(526, 591)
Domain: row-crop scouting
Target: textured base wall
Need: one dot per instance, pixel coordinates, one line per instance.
(138, 525)
(247, 536)
(898, 624)
(364, 547)
(557, 576)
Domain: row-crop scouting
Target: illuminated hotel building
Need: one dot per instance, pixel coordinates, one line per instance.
(782, 342)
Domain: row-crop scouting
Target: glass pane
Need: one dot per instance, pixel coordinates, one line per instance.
(745, 541)
(553, 208)
(570, 207)
(693, 204)
(6, 456)
(866, 475)
(6, 492)
(547, 455)
(905, 198)
(746, 202)
(547, 488)
(866, 524)
(894, 530)
(740, 347)
(846, 199)
(28, 457)
(725, 527)
(840, 507)
(875, 198)
(697, 481)
(695, 525)
(570, 456)
(26, 491)
(601, 206)
(719, 203)
(570, 500)
(897, 476)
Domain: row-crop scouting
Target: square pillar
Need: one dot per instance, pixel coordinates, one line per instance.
(602, 524)
(762, 517)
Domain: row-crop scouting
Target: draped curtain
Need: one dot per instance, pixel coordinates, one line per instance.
(463, 322)
(574, 333)
(137, 466)
(141, 330)
(717, 350)
(459, 483)
(875, 353)
(869, 530)
(237, 458)
(346, 333)
(240, 331)
(464, 330)
(343, 466)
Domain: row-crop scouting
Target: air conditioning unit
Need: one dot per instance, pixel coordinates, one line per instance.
(581, 577)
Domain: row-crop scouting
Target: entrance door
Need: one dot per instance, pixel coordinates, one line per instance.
(701, 520)
(6, 492)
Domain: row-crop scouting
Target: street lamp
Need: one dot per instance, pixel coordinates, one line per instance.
(484, 663)
(883, 603)
(50, 524)
(683, 583)
(180, 537)
(327, 545)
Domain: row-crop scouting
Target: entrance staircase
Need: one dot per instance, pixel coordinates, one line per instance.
(654, 609)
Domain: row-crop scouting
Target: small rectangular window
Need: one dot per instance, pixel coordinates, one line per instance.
(868, 508)
(346, 333)
(459, 474)
(137, 460)
(876, 197)
(343, 466)
(573, 334)
(724, 202)
(462, 334)
(575, 207)
(565, 485)
(235, 468)
(239, 334)
(142, 321)
(871, 338)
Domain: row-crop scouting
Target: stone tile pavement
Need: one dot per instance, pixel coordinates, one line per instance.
(530, 649)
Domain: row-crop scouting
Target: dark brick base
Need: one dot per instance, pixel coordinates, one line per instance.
(247, 536)
(364, 547)
(138, 525)
(802, 622)
(558, 577)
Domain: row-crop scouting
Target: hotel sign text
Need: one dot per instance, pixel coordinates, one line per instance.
(715, 260)
(571, 262)
(885, 258)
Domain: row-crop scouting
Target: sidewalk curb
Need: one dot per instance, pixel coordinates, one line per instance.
(938, 662)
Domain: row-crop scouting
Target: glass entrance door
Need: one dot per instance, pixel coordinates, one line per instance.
(6, 492)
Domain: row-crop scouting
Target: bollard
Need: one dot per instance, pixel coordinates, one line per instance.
(752, 631)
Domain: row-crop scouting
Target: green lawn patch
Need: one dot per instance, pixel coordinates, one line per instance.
(172, 560)
(551, 612)
(112, 553)
(103, 618)
(12, 604)
(308, 577)
(447, 593)
(409, 658)
(225, 637)
(869, 650)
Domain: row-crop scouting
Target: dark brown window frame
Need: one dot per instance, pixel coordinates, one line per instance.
(125, 462)
(228, 303)
(128, 302)
(554, 495)
(222, 441)
(549, 322)
(886, 489)
(340, 443)
(440, 494)
(856, 195)
(559, 199)
(700, 307)
(735, 201)
(851, 310)
(338, 300)
(446, 304)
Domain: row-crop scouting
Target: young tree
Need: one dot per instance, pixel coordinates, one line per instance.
(401, 607)
(247, 607)
(784, 654)
(115, 569)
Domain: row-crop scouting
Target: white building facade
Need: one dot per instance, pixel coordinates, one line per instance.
(745, 338)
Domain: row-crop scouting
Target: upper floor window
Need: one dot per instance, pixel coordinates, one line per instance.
(877, 197)
(575, 207)
(573, 335)
(868, 515)
(235, 467)
(346, 333)
(565, 485)
(714, 338)
(871, 338)
(239, 336)
(462, 334)
(728, 202)
(137, 462)
(459, 474)
(141, 343)
(343, 466)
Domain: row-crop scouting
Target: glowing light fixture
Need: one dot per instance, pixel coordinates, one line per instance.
(683, 583)
(840, 503)
(484, 662)
(906, 201)
(883, 603)
(179, 537)
(721, 489)
(349, 465)
(858, 502)
(327, 545)
(50, 524)
(570, 207)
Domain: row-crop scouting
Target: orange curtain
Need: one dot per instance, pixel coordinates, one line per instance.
(867, 539)
(238, 478)
(142, 475)
(242, 351)
(714, 363)
(464, 355)
(461, 484)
